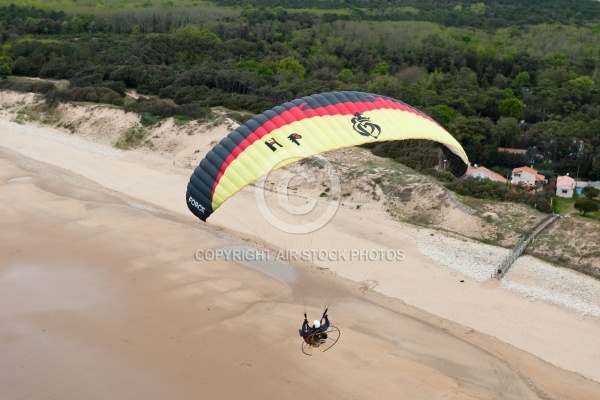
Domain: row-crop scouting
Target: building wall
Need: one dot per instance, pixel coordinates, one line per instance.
(480, 175)
(525, 177)
(582, 184)
(564, 191)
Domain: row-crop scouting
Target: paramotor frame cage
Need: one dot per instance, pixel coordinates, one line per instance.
(316, 341)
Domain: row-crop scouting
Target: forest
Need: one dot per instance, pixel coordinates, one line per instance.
(495, 73)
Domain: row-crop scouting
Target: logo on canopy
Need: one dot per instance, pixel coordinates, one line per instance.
(294, 138)
(364, 126)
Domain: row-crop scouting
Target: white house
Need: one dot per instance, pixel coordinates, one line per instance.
(526, 175)
(484, 173)
(565, 185)
(581, 183)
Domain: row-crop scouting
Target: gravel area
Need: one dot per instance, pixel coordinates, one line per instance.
(529, 276)
(538, 280)
(72, 141)
(473, 260)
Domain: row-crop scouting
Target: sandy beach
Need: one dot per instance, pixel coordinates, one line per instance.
(101, 296)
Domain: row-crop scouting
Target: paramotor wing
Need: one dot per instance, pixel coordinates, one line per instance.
(303, 128)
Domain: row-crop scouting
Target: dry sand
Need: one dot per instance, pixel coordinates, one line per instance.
(100, 297)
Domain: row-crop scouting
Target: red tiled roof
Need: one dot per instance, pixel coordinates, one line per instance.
(565, 181)
(527, 169)
(485, 171)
